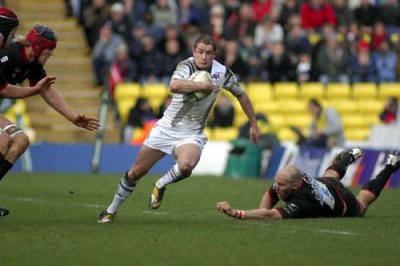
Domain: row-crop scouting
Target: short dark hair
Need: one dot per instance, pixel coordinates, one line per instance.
(205, 39)
(315, 102)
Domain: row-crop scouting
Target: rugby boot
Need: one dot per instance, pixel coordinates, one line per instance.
(105, 217)
(156, 197)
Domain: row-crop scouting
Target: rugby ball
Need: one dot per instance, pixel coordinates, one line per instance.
(198, 76)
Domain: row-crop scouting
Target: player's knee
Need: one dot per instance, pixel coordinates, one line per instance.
(20, 142)
(186, 168)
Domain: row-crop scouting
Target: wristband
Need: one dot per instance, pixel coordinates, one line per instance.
(238, 214)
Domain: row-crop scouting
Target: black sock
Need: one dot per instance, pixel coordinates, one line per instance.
(5, 166)
(341, 165)
(376, 185)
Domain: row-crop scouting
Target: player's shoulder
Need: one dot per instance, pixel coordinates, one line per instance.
(11, 53)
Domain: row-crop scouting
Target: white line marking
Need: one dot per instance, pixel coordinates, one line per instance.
(155, 212)
(335, 232)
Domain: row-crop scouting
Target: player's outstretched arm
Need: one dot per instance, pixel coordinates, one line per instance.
(17, 92)
(259, 214)
(248, 109)
(53, 98)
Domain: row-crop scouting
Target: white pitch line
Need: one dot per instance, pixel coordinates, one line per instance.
(155, 212)
(335, 232)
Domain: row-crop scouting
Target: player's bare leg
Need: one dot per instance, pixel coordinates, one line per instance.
(145, 160)
(187, 157)
(371, 190)
(5, 141)
(341, 162)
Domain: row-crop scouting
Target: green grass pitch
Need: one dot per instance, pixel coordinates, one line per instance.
(53, 222)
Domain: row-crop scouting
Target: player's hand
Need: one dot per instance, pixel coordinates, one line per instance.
(254, 134)
(224, 207)
(88, 123)
(208, 86)
(44, 83)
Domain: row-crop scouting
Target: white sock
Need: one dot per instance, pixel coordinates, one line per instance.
(171, 176)
(123, 191)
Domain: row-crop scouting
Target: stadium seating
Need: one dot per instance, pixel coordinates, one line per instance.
(364, 90)
(225, 134)
(268, 107)
(155, 93)
(127, 91)
(293, 106)
(370, 106)
(343, 106)
(387, 90)
(259, 91)
(337, 91)
(286, 90)
(286, 134)
(312, 90)
(300, 120)
(124, 106)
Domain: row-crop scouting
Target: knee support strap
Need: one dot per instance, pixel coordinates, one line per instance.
(12, 130)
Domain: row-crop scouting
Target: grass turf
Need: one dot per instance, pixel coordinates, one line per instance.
(53, 222)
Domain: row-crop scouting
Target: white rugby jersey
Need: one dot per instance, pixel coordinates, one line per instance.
(184, 115)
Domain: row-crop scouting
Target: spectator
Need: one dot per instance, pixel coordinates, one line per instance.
(315, 14)
(390, 112)
(223, 113)
(250, 54)
(325, 130)
(331, 61)
(362, 67)
(232, 59)
(278, 64)
(94, 18)
(344, 15)
(174, 55)
(150, 62)
(188, 14)
(217, 15)
(241, 23)
(303, 68)
(296, 43)
(366, 15)
(136, 9)
(262, 8)
(104, 52)
(138, 117)
(386, 63)
(172, 32)
(268, 32)
(164, 13)
(289, 8)
(122, 69)
(378, 36)
(164, 105)
(120, 22)
(389, 14)
(135, 40)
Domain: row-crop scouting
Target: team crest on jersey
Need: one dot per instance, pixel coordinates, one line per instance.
(4, 59)
(216, 76)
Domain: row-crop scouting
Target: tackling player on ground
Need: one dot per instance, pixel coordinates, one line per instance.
(180, 131)
(307, 197)
(25, 60)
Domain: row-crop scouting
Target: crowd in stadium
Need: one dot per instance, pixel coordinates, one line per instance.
(261, 40)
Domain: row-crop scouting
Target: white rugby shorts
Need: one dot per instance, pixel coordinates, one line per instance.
(160, 139)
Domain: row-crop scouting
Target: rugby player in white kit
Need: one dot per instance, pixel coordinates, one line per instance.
(180, 132)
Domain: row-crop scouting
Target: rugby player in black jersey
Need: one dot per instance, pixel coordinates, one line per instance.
(307, 197)
(25, 60)
(8, 26)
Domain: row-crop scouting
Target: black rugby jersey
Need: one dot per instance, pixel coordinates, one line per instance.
(317, 197)
(16, 68)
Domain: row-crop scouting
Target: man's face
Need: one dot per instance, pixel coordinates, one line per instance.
(284, 186)
(44, 55)
(203, 55)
